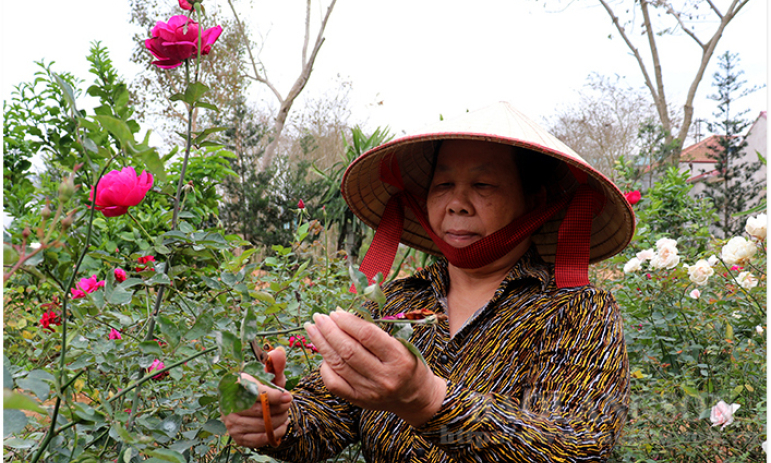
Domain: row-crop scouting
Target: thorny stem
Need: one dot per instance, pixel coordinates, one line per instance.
(51, 430)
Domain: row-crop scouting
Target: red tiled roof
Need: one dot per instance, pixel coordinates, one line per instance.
(699, 152)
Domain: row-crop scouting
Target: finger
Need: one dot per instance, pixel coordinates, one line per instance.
(254, 436)
(377, 341)
(341, 352)
(278, 358)
(279, 399)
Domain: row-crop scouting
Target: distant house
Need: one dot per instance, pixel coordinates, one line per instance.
(695, 158)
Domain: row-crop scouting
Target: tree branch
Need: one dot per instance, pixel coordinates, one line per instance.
(299, 85)
(661, 100)
(690, 33)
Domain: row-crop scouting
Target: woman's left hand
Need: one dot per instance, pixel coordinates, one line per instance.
(367, 367)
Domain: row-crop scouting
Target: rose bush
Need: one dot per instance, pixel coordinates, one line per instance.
(692, 335)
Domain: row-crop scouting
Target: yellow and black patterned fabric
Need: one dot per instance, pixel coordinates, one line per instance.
(539, 374)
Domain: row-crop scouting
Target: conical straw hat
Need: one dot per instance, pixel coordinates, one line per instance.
(367, 195)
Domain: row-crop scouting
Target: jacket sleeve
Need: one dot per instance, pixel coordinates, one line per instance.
(574, 408)
(321, 424)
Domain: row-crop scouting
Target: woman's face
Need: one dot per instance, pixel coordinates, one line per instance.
(476, 191)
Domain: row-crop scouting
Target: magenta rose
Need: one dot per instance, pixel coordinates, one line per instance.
(119, 190)
(185, 5)
(175, 41)
(114, 334)
(89, 285)
(120, 275)
(77, 294)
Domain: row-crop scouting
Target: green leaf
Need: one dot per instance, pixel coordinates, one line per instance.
(211, 283)
(159, 278)
(167, 455)
(229, 345)
(14, 421)
(374, 293)
(203, 324)
(248, 326)
(117, 128)
(413, 349)
(169, 330)
(119, 296)
(358, 278)
(18, 401)
(215, 426)
(690, 391)
(131, 282)
(150, 347)
(152, 162)
(69, 94)
(170, 425)
(234, 397)
(203, 104)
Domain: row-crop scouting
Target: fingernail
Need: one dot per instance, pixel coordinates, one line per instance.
(286, 397)
(310, 329)
(320, 319)
(334, 315)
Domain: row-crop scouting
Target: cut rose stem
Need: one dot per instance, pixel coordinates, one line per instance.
(268, 423)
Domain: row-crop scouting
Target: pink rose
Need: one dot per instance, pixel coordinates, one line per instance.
(89, 285)
(120, 275)
(301, 205)
(185, 5)
(633, 197)
(119, 190)
(115, 334)
(723, 414)
(158, 365)
(175, 41)
(77, 294)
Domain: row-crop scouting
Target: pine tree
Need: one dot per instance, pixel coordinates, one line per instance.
(735, 189)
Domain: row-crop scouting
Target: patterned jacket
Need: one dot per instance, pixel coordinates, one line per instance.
(539, 374)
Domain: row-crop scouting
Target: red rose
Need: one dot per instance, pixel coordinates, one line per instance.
(50, 318)
(633, 197)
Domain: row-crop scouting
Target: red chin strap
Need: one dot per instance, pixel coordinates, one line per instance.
(572, 259)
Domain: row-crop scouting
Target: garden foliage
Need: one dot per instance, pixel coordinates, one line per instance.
(127, 325)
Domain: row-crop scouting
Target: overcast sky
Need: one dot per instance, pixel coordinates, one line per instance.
(419, 58)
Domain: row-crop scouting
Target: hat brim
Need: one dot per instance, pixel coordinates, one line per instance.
(367, 195)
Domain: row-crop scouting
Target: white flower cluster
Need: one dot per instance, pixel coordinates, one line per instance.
(665, 256)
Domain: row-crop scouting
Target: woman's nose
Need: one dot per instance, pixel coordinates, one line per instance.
(459, 202)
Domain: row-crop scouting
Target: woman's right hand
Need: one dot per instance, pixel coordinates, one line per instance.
(247, 428)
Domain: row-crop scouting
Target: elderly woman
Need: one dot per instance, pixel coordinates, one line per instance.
(530, 362)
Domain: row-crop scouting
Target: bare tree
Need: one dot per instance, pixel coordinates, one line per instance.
(260, 75)
(603, 124)
(678, 17)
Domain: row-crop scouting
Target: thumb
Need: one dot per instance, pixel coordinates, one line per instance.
(276, 364)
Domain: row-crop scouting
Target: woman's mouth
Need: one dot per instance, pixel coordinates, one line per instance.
(460, 238)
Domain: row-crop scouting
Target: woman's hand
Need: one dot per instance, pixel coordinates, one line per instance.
(247, 428)
(366, 366)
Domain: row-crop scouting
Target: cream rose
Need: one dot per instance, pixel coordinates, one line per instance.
(756, 226)
(738, 251)
(747, 280)
(700, 272)
(632, 266)
(695, 294)
(666, 254)
(646, 255)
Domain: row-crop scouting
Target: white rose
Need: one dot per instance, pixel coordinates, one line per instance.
(632, 266)
(666, 257)
(666, 242)
(756, 226)
(759, 329)
(712, 261)
(700, 272)
(747, 280)
(723, 414)
(695, 294)
(646, 255)
(738, 251)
